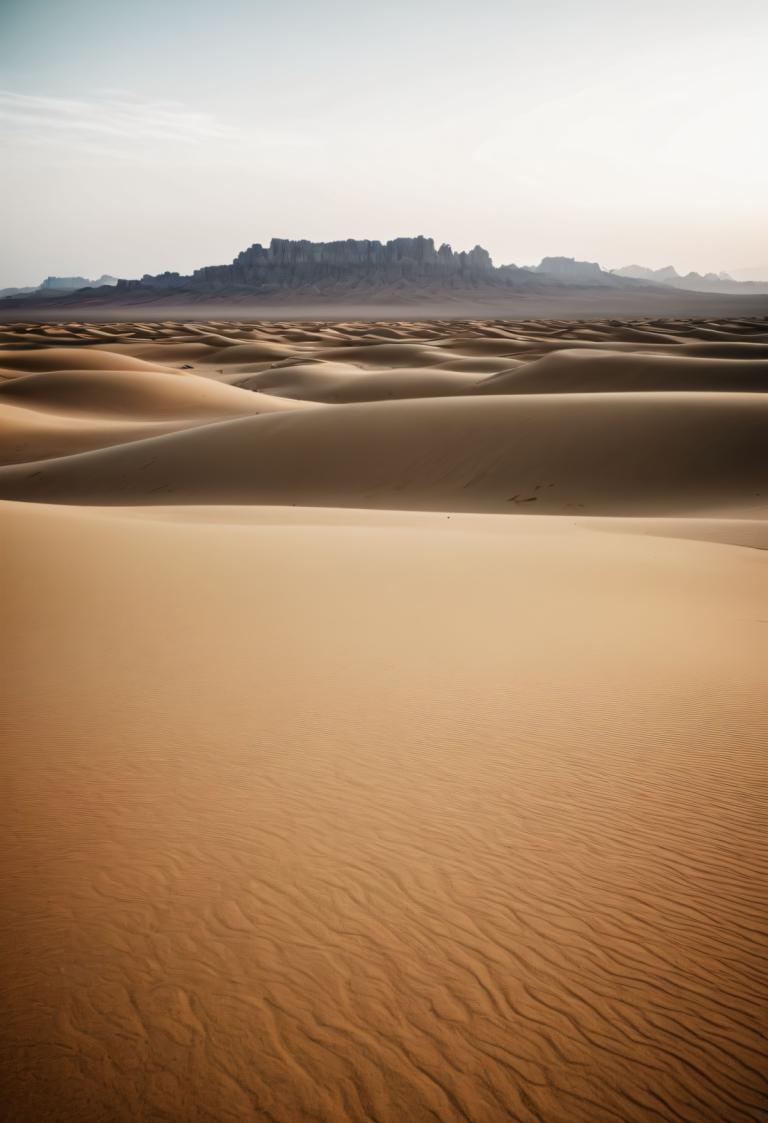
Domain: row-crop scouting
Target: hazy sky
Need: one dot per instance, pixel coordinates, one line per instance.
(142, 135)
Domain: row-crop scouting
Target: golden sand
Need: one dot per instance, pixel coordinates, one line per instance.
(385, 744)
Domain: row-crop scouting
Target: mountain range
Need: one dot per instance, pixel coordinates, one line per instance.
(693, 282)
(55, 286)
(404, 272)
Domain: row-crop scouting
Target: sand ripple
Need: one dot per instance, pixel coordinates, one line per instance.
(365, 815)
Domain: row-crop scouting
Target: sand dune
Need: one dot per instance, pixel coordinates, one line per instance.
(30, 435)
(64, 358)
(57, 414)
(336, 382)
(571, 371)
(333, 362)
(501, 858)
(668, 454)
(134, 393)
(390, 355)
(341, 788)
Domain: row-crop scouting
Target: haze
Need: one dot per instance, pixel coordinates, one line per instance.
(168, 136)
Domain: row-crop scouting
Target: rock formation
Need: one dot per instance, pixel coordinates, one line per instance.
(403, 272)
(71, 284)
(571, 272)
(297, 264)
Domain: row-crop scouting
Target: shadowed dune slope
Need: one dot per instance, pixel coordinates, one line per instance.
(502, 860)
(68, 358)
(335, 383)
(140, 394)
(641, 454)
(30, 435)
(563, 372)
(66, 412)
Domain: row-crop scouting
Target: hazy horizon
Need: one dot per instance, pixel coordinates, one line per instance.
(628, 136)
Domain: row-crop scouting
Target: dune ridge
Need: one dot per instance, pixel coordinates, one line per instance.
(52, 414)
(669, 453)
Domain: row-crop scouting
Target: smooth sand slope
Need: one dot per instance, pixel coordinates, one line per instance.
(409, 821)
(609, 454)
(61, 412)
(322, 809)
(584, 370)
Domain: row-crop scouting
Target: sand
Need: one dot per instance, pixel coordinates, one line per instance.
(345, 787)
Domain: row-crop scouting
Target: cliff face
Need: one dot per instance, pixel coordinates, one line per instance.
(415, 254)
(571, 272)
(297, 264)
(69, 284)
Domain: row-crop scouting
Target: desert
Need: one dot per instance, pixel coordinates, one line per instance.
(385, 717)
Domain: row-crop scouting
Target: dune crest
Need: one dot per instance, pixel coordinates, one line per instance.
(672, 454)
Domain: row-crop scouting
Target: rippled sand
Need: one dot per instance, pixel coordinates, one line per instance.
(325, 806)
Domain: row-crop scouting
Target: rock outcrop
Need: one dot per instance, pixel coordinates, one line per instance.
(298, 264)
(666, 275)
(569, 271)
(71, 284)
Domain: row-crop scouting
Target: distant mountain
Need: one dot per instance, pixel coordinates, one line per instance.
(693, 282)
(404, 270)
(16, 291)
(71, 284)
(663, 276)
(404, 273)
(757, 273)
(571, 272)
(302, 265)
(57, 285)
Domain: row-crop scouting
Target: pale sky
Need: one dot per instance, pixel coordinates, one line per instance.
(143, 135)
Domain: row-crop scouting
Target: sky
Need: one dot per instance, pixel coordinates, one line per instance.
(169, 134)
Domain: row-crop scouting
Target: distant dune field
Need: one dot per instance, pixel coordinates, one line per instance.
(385, 721)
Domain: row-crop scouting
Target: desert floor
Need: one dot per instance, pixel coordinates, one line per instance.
(385, 721)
